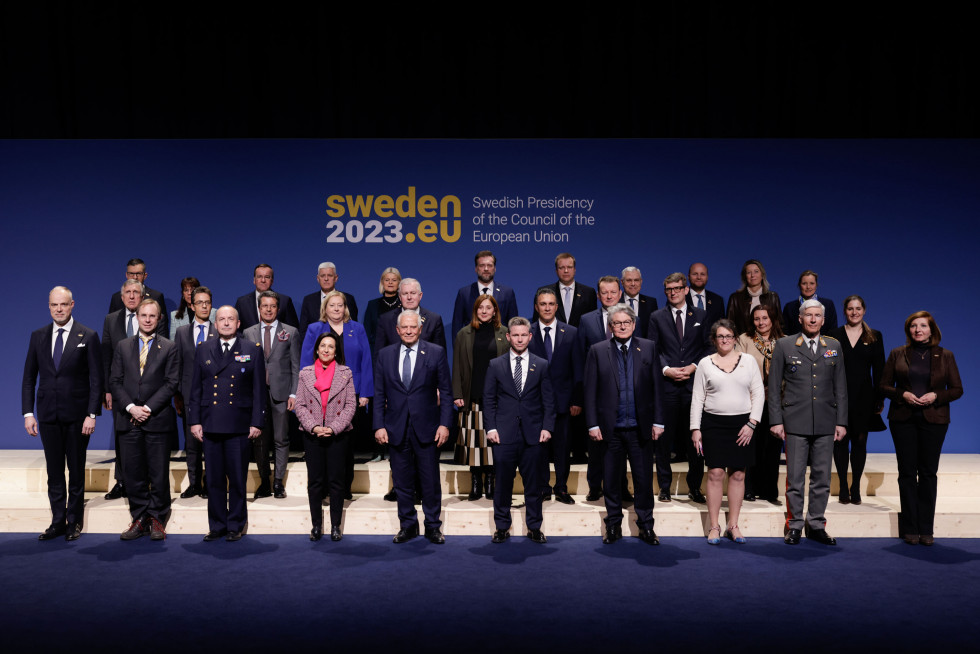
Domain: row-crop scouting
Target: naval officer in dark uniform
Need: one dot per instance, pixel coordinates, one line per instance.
(227, 408)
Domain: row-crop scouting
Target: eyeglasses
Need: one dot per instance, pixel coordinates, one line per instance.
(724, 337)
(673, 289)
(621, 323)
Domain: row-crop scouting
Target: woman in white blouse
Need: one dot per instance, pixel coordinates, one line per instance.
(726, 406)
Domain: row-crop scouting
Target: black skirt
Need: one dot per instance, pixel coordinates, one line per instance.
(718, 438)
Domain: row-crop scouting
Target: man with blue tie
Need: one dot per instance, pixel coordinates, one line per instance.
(188, 338)
(682, 341)
(519, 416)
(701, 298)
(486, 269)
(642, 305)
(413, 410)
(63, 370)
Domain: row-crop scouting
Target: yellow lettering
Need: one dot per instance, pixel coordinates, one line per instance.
(427, 230)
(446, 201)
(335, 206)
(428, 206)
(383, 206)
(446, 236)
(359, 206)
(405, 204)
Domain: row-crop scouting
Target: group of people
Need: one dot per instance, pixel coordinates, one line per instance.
(726, 385)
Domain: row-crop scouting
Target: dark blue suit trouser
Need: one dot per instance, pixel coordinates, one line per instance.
(622, 445)
(64, 441)
(507, 459)
(226, 456)
(146, 471)
(677, 425)
(403, 470)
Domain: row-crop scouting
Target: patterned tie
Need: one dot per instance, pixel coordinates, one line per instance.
(633, 304)
(518, 381)
(144, 350)
(548, 351)
(129, 325)
(407, 368)
(59, 347)
(200, 335)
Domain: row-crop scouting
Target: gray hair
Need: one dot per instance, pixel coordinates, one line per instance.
(326, 264)
(131, 282)
(812, 304)
(409, 280)
(418, 318)
(629, 269)
(621, 308)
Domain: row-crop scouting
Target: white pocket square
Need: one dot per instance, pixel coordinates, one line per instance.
(81, 345)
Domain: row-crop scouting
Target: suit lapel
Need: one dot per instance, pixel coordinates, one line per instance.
(72, 341)
(420, 361)
(804, 351)
(613, 353)
(689, 323)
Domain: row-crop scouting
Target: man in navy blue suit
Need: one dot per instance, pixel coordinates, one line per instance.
(574, 299)
(682, 341)
(701, 298)
(622, 407)
(136, 270)
(431, 329)
(558, 343)
(519, 416)
(247, 305)
(413, 408)
(326, 277)
(64, 361)
(642, 305)
(226, 409)
(486, 269)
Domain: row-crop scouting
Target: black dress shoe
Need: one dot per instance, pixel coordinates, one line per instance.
(564, 497)
(192, 491)
(137, 529)
(278, 490)
(316, 533)
(74, 531)
(819, 535)
(792, 537)
(264, 490)
(405, 535)
(116, 492)
(749, 497)
(204, 491)
(911, 539)
(594, 495)
(696, 496)
(391, 496)
(214, 535)
(649, 536)
(52, 532)
(435, 536)
(499, 536)
(335, 533)
(612, 535)
(537, 536)
(348, 495)
(233, 536)
(927, 539)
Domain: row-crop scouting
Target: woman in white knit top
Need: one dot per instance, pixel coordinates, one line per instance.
(726, 406)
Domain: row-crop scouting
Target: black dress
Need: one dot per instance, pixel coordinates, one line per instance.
(862, 368)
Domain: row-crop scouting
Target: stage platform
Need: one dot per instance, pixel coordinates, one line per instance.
(24, 504)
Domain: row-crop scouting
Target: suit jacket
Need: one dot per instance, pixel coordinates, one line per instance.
(432, 329)
(184, 339)
(675, 353)
(738, 309)
(466, 298)
(310, 311)
(248, 313)
(591, 329)
(791, 316)
(714, 307)
(395, 405)
(645, 306)
(227, 393)
(72, 391)
(463, 360)
(282, 365)
(583, 301)
(116, 303)
(565, 367)
(807, 392)
(341, 401)
(602, 386)
(944, 381)
(113, 332)
(516, 416)
(154, 388)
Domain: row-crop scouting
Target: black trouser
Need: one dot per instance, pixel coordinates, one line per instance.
(677, 425)
(917, 447)
(147, 471)
(622, 445)
(64, 442)
(762, 479)
(325, 461)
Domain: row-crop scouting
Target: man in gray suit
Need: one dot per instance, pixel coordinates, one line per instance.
(808, 410)
(281, 347)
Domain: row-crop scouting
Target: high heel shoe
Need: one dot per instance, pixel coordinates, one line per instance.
(732, 537)
(717, 539)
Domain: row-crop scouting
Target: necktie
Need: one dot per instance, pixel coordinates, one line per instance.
(227, 347)
(200, 335)
(679, 323)
(59, 347)
(267, 346)
(633, 304)
(129, 325)
(813, 346)
(486, 290)
(548, 348)
(518, 375)
(144, 350)
(700, 301)
(407, 368)
(622, 348)
(567, 301)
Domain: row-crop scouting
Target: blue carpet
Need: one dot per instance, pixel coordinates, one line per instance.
(365, 594)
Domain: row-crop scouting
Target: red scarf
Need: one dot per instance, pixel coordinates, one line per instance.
(324, 378)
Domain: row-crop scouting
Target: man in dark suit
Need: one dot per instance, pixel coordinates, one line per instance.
(682, 341)
(622, 406)
(136, 270)
(701, 298)
(64, 361)
(326, 277)
(247, 305)
(642, 305)
(413, 409)
(281, 347)
(227, 408)
(144, 378)
(519, 416)
(410, 295)
(558, 343)
(574, 299)
(486, 269)
(187, 339)
(118, 326)
(808, 409)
